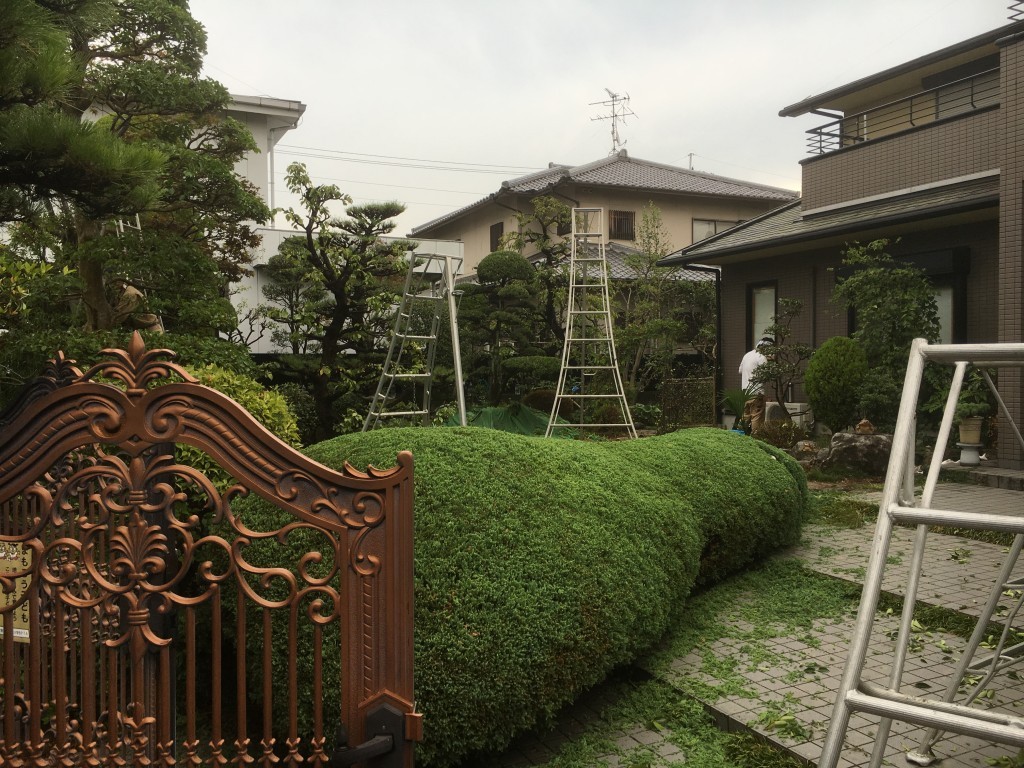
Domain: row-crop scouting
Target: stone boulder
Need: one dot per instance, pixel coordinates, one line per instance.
(867, 454)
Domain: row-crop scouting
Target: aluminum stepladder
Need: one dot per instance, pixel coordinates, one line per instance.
(899, 505)
(589, 348)
(429, 283)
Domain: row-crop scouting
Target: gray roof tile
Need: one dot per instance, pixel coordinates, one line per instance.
(621, 170)
(789, 223)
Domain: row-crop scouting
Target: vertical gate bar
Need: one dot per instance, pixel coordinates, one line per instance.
(166, 707)
(293, 687)
(10, 683)
(190, 685)
(89, 688)
(318, 697)
(346, 663)
(59, 672)
(241, 734)
(268, 689)
(112, 708)
(216, 736)
(34, 672)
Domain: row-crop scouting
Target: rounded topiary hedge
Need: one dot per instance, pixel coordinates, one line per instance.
(542, 564)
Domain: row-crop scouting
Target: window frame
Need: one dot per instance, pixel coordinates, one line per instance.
(617, 229)
(498, 228)
(751, 289)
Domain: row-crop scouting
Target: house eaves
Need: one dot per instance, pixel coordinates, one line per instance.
(920, 67)
(790, 227)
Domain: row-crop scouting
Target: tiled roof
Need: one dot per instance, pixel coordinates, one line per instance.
(790, 224)
(615, 255)
(622, 171)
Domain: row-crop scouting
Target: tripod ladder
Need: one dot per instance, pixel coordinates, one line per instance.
(974, 671)
(589, 375)
(429, 290)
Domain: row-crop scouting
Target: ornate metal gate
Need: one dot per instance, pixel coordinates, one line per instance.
(152, 615)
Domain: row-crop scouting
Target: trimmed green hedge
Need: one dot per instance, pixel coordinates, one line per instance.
(542, 564)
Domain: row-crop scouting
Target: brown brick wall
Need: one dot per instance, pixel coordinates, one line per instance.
(1011, 198)
(946, 150)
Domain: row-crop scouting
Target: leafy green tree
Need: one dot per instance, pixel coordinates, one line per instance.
(540, 237)
(650, 309)
(47, 153)
(784, 359)
(893, 303)
(297, 298)
(833, 381)
(112, 121)
(497, 314)
(359, 271)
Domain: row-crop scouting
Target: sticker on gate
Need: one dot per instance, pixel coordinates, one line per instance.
(15, 558)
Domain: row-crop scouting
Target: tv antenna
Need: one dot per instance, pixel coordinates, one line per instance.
(620, 110)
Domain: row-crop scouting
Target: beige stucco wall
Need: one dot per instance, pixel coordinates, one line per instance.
(677, 211)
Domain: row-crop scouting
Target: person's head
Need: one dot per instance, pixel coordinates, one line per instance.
(766, 341)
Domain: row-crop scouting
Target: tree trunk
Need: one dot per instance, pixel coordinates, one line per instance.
(99, 315)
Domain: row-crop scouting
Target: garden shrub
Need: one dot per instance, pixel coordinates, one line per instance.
(781, 434)
(833, 381)
(267, 406)
(540, 565)
(543, 399)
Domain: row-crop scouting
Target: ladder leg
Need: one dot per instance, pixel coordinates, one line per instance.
(895, 474)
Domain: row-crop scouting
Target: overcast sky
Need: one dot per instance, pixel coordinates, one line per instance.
(504, 88)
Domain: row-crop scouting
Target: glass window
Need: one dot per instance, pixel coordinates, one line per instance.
(944, 300)
(497, 230)
(762, 310)
(621, 225)
(703, 228)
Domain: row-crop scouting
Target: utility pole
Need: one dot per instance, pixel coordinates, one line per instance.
(620, 110)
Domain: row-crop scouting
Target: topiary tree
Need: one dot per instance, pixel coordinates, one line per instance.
(784, 363)
(498, 313)
(894, 303)
(833, 381)
(533, 578)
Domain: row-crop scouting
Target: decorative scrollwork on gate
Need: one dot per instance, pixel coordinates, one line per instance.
(146, 609)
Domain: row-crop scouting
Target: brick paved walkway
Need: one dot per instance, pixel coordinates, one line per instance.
(802, 676)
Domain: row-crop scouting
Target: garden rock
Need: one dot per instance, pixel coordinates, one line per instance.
(868, 454)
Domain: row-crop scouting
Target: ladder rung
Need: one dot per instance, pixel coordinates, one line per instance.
(570, 396)
(589, 234)
(417, 338)
(589, 312)
(588, 260)
(590, 368)
(409, 375)
(596, 338)
(573, 426)
(386, 414)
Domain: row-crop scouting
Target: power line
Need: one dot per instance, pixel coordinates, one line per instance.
(283, 174)
(400, 162)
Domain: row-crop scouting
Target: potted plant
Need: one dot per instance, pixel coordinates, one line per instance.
(733, 402)
(971, 418)
(972, 408)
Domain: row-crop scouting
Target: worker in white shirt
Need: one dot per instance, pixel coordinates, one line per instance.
(753, 410)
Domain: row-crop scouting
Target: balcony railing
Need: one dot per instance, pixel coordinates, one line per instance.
(956, 98)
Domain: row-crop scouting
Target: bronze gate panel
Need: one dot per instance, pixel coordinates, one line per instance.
(150, 616)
